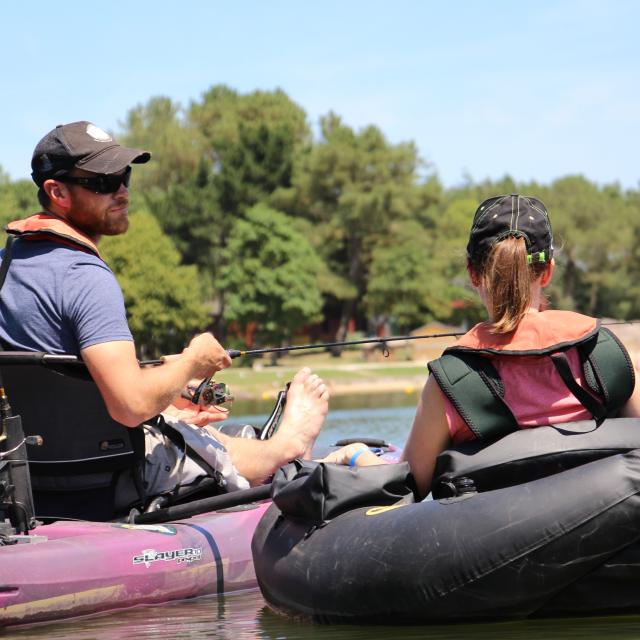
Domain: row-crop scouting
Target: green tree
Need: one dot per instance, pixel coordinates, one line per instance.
(352, 186)
(163, 298)
(17, 199)
(449, 230)
(190, 214)
(629, 306)
(251, 140)
(403, 285)
(270, 279)
(222, 111)
(352, 193)
(228, 152)
(594, 240)
(253, 167)
(160, 126)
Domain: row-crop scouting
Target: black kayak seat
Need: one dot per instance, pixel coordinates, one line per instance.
(84, 451)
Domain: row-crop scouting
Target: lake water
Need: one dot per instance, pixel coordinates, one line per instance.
(245, 615)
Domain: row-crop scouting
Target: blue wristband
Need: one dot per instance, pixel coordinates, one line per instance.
(356, 455)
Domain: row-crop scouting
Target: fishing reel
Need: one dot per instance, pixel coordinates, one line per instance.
(209, 392)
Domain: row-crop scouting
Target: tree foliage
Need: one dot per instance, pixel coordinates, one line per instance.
(160, 126)
(17, 199)
(271, 276)
(269, 227)
(353, 186)
(227, 152)
(163, 298)
(402, 286)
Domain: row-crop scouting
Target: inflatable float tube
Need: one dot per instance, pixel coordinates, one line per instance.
(556, 545)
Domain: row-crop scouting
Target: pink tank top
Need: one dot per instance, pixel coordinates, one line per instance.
(534, 392)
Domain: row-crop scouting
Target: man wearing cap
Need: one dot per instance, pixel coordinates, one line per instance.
(59, 296)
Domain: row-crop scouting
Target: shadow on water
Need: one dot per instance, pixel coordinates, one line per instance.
(245, 616)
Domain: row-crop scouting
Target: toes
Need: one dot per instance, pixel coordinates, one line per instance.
(302, 375)
(312, 383)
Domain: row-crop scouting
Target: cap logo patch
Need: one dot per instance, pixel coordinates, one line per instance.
(98, 134)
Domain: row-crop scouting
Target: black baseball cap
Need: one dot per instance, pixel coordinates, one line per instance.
(82, 145)
(511, 216)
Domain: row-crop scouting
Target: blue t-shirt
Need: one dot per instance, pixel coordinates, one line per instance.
(59, 300)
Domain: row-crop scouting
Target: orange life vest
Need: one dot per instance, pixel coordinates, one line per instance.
(469, 380)
(537, 334)
(46, 226)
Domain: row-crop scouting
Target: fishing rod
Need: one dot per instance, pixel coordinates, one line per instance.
(211, 392)
(236, 353)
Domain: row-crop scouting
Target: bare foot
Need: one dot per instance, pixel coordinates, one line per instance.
(304, 414)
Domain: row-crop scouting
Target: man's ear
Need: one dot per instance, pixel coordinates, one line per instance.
(58, 193)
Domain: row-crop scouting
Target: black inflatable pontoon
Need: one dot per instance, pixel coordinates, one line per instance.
(566, 544)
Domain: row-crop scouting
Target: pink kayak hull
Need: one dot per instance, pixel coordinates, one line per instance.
(89, 567)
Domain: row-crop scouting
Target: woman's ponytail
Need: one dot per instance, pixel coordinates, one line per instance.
(507, 277)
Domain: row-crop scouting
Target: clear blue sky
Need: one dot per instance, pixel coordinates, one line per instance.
(536, 89)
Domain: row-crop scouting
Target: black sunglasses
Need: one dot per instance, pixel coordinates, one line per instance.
(102, 184)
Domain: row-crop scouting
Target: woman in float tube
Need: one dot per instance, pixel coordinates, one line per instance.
(510, 262)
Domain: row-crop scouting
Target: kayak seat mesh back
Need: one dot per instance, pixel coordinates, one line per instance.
(74, 472)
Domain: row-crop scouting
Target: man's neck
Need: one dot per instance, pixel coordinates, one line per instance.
(53, 211)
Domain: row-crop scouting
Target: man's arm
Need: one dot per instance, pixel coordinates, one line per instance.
(134, 394)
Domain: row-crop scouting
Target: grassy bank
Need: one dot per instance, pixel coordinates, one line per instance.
(347, 375)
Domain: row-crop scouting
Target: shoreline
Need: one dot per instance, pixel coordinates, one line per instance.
(249, 385)
(408, 386)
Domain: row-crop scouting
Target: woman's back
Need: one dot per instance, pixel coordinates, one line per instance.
(510, 262)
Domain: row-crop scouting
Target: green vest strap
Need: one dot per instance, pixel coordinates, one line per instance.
(472, 384)
(608, 370)
(475, 389)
